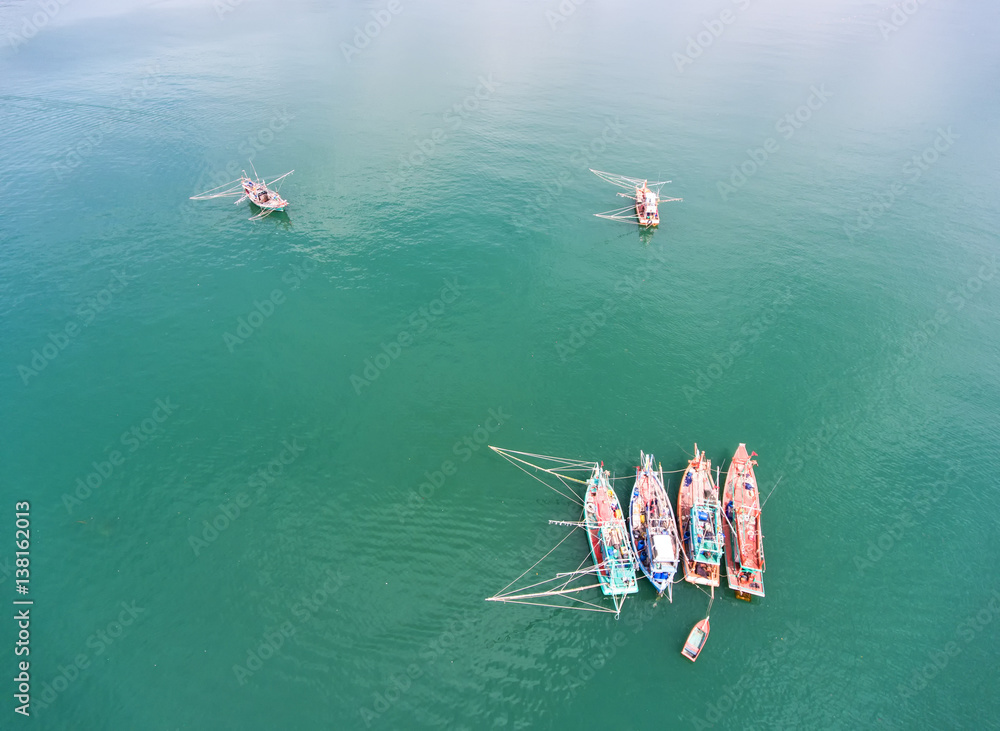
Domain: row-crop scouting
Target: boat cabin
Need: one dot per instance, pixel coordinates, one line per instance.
(664, 556)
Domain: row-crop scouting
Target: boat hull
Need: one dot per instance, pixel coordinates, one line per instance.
(696, 640)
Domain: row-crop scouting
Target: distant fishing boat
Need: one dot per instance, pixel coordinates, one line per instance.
(744, 541)
(608, 536)
(653, 527)
(699, 514)
(696, 640)
(645, 199)
(257, 191)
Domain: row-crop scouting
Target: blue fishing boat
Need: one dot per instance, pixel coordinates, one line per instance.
(608, 536)
(653, 527)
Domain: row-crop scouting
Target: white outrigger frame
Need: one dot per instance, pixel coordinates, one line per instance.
(628, 214)
(562, 584)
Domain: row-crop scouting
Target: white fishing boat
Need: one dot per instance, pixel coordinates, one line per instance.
(653, 527)
(645, 197)
(255, 190)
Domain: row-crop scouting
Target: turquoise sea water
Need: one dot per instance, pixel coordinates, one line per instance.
(292, 520)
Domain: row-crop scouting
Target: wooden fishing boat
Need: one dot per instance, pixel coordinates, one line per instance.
(699, 515)
(741, 527)
(696, 640)
(610, 553)
(255, 190)
(645, 198)
(653, 527)
(608, 536)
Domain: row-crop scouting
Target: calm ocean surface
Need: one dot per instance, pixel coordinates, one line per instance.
(234, 436)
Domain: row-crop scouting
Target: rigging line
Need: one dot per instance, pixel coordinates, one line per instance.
(562, 606)
(702, 588)
(534, 594)
(539, 560)
(581, 463)
(577, 570)
(589, 604)
(500, 596)
(575, 498)
(543, 469)
(234, 180)
(769, 494)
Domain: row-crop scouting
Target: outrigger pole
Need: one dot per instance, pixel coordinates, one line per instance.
(567, 464)
(561, 590)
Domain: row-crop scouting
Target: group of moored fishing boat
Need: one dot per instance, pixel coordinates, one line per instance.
(654, 540)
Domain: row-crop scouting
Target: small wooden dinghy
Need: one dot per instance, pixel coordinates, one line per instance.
(696, 640)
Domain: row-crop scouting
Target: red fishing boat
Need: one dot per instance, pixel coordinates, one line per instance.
(741, 526)
(698, 513)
